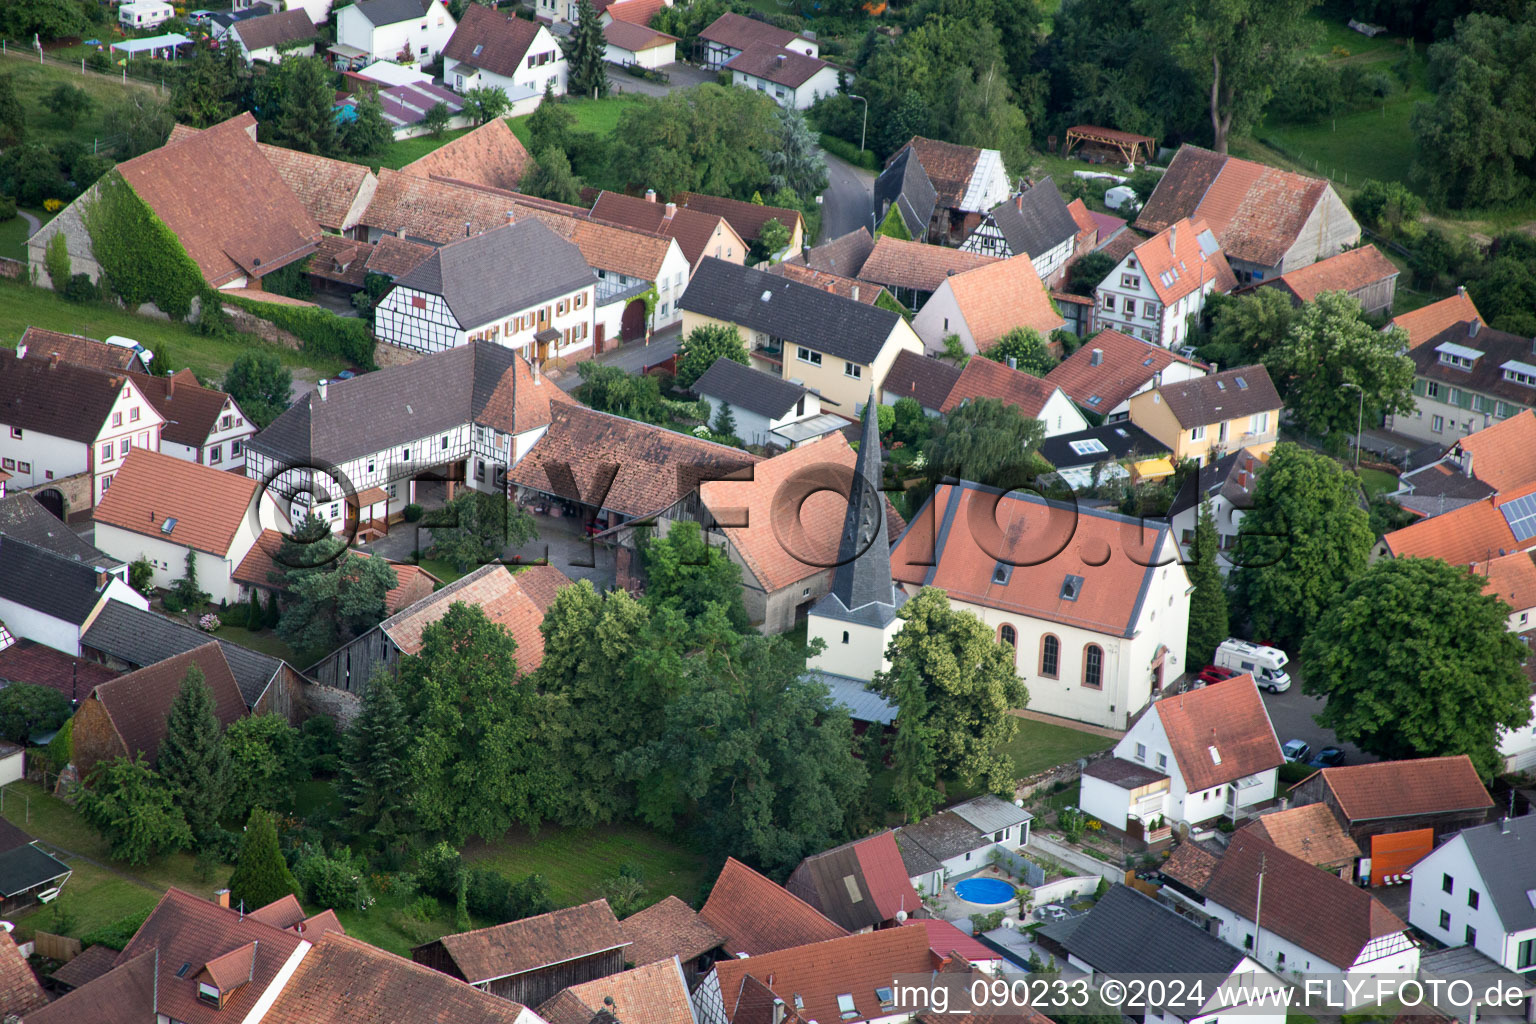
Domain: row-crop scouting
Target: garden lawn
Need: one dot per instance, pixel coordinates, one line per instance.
(599, 117)
(1037, 746)
(22, 306)
(443, 570)
(266, 641)
(576, 862)
(92, 897)
(34, 81)
(404, 151)
(13, 238)
(1376, 143)
(1377, 482)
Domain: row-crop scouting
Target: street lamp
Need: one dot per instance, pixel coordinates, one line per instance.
(1359, 420)
(864, 127)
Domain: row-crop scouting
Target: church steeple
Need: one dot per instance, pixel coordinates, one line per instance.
(862, 581)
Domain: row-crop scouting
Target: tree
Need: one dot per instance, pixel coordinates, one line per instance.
(436, 119)
(984, 441)
(724, 424)
(1237, 49)
(1088, 270)
(141, 122)
(261, 876)
(56, 261)
(478, 763)
(968, 682)
(141, 576)
(1331, 344)
(297, 102)
(1304, 540)
(771, 239)
(913, 758)
(193, 759)
(486, 103)
(374, 779)
(366, 133)
(703, 346)
(48, 19)
(185, 589)
(263, 762)
(709, 139)
(68, 103)
(133, 808)
(616, 390)
(1208, 625)
(26, 708)
(551, 123)
(1247, 328)
(794, 159)
(585, 54)
(13, 116)
(476, 527)
(687, 574)
(334, 602)
(208, 90)
(260, 384)
(1031, 353)
(1415, 660)
(551, 178)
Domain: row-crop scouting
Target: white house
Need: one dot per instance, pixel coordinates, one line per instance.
(960, 840)
(1192, 757)
(404, 31)
(794, 79)
(629, 43)
(70, 426)
(51, 599)
(731, 34)
(471, 412)
(980, 306)
(628, 263)
(497, 51)
(1227, 483)
(1475, 890)
(1160, 284)
(318, 10)
(1094, 604)
(201, 424)
(520, 286)
(165, 509)
(1102, 377)
(1034, 397)
(272, 37)
(766, 409)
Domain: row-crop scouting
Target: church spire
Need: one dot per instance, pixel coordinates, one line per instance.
(863, 575)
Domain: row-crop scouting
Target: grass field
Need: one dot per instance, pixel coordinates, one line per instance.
(576, 862)
(599, 117)
(1376, 143)
(1037, 746)
(404, 151)
(22, 306)
(266, 641)
(1377, 481)
(14, 234)
(34, 81)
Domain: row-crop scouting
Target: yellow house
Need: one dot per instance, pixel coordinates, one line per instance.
(838, 347)
(1206, 417)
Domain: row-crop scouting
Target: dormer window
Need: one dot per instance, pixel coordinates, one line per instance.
(1001, 572)
(208, 993)
(1071, 587)
(1517, 372)
(1458, 357)
(1215, 755)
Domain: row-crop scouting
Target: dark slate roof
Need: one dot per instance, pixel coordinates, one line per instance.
(388, 12)
(798, 313)
(906, 184)
(1507, 862)
(844, 255)
(45, 582)
(25, 519)
(1241, 391)
(745, 388)
(942, 836)
(1130, 933)
(914, 375)
(143, 638)
(65, 401)
(862, 588)
(501, 272)
(1212, 480)
(1035, 221)
(1487, 372)
(27, 867)
(1122, 439)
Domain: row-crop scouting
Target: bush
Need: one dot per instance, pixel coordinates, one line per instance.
(114, 935)
(333, 881)
(320, 745)
(438, 871)
(321, 331)
(849, 152)
(98, 61)
(422, 909)
(80, 288)
(61, 749)
(7, 209)
(489, 895)
(412, 512)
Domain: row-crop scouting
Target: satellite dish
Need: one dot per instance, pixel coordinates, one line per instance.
(901, 916)
(1009, 922)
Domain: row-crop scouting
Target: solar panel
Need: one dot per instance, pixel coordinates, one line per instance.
(1520, 514)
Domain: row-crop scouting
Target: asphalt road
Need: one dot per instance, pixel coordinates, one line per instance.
(1291, 713)
(846, 204)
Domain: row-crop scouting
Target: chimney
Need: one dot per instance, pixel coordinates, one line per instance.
(778, 1011)
(53, 360)
(650, 195)
(1013, 363)
(1215, 369)
(1504, 826)
(102, 577)
(1157, 379)
(511, 216)
(221, 897)
(466, 229)
(321, 387)
(534, 364)
(855, 293)
(170, 386)
(1173, 238)
(779, 60)
(671, 210)
(1461, 290)
(1018, 202)
(1473, 327)
(1097, 357)
(21, 351)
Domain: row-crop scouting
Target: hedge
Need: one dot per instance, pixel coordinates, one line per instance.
(848, 151)
(322, 332)
(141, 259)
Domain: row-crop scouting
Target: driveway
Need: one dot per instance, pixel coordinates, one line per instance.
(1292, 714)
(632, 357)
(847, 203)
(684, 76)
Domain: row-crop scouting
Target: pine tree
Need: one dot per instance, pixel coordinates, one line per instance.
(373, 776)
(1208, 623)
(725, 422)
(261, 875)
(255, 618)
(585, 54)
(912, 754)
(274, 613)
(192, 757)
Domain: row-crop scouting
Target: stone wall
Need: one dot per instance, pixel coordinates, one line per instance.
(314, 699)
(385, 356)
(16, 270)
(247, 322)
(77, 491)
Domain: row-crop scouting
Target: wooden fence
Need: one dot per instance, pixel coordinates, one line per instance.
(56, 947)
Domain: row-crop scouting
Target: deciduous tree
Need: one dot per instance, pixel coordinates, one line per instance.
(984, 441)
(1417, 661)
(366, 133)
(263, 762)
(193, 759)
(130, 805)
(486, 103)
(703, 346)
(476, 527)
(1031, 353)
(26, 708)
(552, 178)
(1247, 328)
(687, 574)
(261, 384)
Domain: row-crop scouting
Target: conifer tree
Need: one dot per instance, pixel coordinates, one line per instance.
(193, 759)
(585, 54)
(912, 753)
(373, 777)
(725, 421)
(1208, 623)
(261, 875)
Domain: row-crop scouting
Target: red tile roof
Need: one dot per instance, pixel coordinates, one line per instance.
(431, 210)
(945, 940)
(653, 993)
(755, 916)
(270, 30)
(1108, 599)
(1399, 789)
(667, 929)
(284, 912)
(784, 539)
(209, 505)
(985, 378)
(1504, 453)
(225, 202)
(61, 400)
(924, 378)
(847, 287)
(1428, 321)
(693, 229)
(533, 942)
(123, 995)
(1511, 578)
(1472, 533)
(776, 64)
(1126, 365)
(26, 661)
(255, 570)
(343, 260)
(739, 32)
(489, 155)
(1083, 217)
(996, 298)
(949, 166)
(490, 40)
(636, 12)
(1191, 865)
(191, 411)
(498, 592)
(858, 884)
(77, 349)
(138, 702)
(1310, 832)
(898, 263)
(1353, 918)
(1219, 733)
(817, 974)
(747, 219)
(20, 991)
(1349, 271)
(1176, 265)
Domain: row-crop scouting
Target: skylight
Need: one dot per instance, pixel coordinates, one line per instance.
(168, 525)
(1089, 446)
(1071, 587)
(1215, 755)
(1094, 400)
(478, 48)
(852, 885)
(1242, 384)
(767, 295)
(885, 996)
(845, 1008)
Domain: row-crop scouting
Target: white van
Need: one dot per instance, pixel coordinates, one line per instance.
(1267, 664)
(145, 355)
(145, 14)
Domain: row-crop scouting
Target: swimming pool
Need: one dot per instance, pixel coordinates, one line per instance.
(986, 892)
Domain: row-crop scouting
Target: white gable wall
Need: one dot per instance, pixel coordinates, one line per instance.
(423, 38)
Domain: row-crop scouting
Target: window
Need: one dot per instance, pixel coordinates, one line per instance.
(8, 463)
(1471, 936)
(445, 442)
(23, 467)
(1525, 955)
(1445, 920)
(479, 469)
(235, 449)
(805, 355)
(1130, 281)
(1432, 389)
(1162, 762)
(1091, 446)
(106, 452)
(1258, 423)
(117, 419)
(853, 370)
(1093, 666)
(106, 482)
(845, 636)
(336, 510)
(1472, 898)
(1050, 656)
(133, 415)
(16, 433)
(1248, 941)
(215, 454)
(127, 444)
(1141, 751)
(1130, 307)
(1437, 423)
(845, 1008)
(225, 422)
(1008, 635)
(1109, 303)
(1197, 434)
(1279, 959)
(1447, 883)
(405, 455)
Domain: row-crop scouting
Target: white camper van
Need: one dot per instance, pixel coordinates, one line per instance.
(145, 355)
(1267, 664)
(145, 14)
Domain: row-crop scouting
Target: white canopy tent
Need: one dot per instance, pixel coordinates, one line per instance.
(169, 41)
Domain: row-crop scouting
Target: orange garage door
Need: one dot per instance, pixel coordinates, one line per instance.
(1393, 853)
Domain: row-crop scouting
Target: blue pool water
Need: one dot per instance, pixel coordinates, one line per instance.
(987, 892)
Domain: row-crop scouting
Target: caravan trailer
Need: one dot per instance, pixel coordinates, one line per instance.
(144, 14)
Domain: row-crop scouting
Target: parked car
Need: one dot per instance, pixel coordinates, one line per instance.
(1328, 757)
(1296, 750)
(1052, 912)
(1266, 664)
(346, 375)
(199, 17)
(1215, 674)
